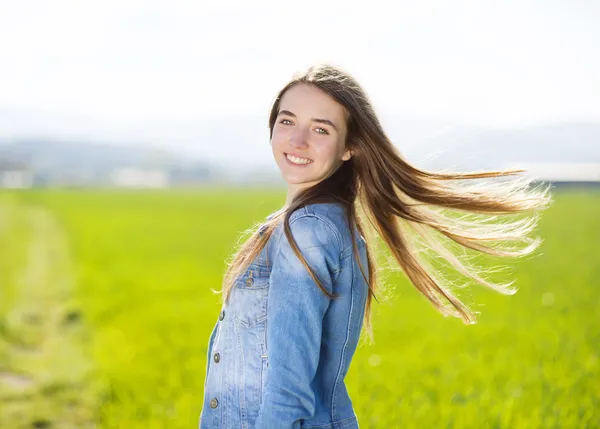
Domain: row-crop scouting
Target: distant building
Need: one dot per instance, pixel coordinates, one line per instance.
(133, 177)
(190, 175)
(72, 178)
(14, 175)
(579, 172)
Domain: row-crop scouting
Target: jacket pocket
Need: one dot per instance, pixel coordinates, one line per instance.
(251, 295)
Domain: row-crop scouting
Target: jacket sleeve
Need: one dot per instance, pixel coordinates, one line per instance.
(295, 310)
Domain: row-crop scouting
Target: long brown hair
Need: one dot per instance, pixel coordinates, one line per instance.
(387, 197)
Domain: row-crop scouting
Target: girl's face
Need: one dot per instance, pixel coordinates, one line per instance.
(309, 136)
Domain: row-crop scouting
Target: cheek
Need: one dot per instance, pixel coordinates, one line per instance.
(329, 152)
(278, 137)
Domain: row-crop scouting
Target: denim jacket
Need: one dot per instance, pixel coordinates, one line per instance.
(280, 349)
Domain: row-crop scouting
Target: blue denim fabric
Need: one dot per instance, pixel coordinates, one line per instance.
(280, 349)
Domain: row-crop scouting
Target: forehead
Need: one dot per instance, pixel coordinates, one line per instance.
(308, 100)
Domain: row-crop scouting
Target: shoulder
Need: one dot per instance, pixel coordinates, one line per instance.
(318, 225)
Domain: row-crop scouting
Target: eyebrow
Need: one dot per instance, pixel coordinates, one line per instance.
(321, 121)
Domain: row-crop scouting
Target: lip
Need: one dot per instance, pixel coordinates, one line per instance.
(298, 156)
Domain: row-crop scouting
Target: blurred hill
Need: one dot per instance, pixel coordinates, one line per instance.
(46, 154)
(72, 163)
(485, 149)
(84, 162)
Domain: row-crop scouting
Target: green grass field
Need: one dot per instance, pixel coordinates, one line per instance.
(106, 309)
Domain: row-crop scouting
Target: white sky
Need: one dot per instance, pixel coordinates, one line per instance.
(129, 65)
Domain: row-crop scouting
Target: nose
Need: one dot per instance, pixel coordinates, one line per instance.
(298, 138)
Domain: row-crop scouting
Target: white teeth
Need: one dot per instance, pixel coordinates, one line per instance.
(298, 160)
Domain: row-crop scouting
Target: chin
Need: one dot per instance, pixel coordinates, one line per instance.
(295, 180)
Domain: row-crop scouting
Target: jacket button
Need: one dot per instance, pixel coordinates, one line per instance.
(222, 315)
(249, 281)
(217, 357)
(214, 403)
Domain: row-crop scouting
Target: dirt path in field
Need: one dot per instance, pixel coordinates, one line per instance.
(45, 376)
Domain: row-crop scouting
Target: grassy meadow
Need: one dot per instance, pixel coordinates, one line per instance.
(106, 309)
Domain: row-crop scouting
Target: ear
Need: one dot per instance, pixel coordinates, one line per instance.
(347, 155)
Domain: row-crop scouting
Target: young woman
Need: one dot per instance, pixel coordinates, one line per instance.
(298, 290)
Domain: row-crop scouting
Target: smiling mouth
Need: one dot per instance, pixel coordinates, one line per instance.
(297, 161)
